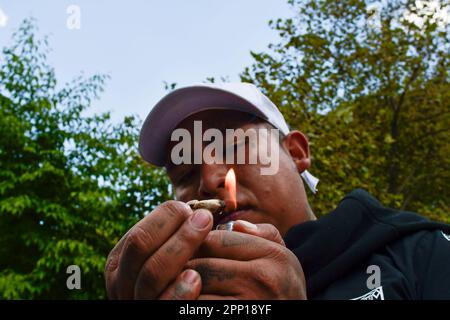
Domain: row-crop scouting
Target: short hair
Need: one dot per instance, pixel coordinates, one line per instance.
(257, 120)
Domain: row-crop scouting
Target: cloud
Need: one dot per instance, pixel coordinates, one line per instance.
(3, 18)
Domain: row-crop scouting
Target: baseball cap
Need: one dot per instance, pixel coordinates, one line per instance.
(183, 102)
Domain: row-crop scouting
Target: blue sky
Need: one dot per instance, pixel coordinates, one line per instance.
(140, 44)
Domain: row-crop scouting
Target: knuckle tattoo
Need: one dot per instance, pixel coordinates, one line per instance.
(209, 273)
(232, 240)
(159, 224)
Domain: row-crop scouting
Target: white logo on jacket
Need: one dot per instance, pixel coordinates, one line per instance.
(375, 294)
(446, 236)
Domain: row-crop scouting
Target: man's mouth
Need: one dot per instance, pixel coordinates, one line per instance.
(225, 217)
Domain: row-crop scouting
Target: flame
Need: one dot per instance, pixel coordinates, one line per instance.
(230, 186)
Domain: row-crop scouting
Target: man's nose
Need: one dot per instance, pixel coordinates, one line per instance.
(212, 180)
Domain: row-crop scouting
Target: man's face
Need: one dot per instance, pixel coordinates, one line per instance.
(278, 199)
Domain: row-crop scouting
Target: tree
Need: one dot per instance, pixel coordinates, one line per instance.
(368, 82)
(70, 185)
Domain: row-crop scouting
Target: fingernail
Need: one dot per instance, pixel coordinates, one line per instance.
(200, 219)
(190, 276)
(248, 225)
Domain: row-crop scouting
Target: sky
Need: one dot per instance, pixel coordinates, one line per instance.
(141, 44)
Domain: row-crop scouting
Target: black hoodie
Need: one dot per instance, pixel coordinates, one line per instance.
(362, 250)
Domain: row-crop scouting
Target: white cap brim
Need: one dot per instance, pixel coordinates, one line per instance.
(177, 106)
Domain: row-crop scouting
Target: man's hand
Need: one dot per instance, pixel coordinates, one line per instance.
(237, 265)
(147, 263)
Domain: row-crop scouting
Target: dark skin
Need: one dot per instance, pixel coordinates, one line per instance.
(174, 252)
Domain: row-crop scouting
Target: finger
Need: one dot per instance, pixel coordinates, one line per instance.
(187, 286)
(236, 246)
(220, 276)
(168, 261)
(215, 297)
(111, 265)
(143, 240)
(263, 230)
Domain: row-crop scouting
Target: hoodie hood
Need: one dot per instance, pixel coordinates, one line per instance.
(330, 246)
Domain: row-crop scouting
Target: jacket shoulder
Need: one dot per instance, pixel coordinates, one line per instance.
(404, 222)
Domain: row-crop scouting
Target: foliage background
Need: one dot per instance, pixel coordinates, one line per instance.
(369, 87)
(383, 81)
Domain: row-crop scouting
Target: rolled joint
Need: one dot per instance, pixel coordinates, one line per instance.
(213, 205)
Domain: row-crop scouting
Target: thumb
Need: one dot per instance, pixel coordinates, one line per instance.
(263, 230)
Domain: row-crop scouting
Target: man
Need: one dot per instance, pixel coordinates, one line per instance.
(277, 249)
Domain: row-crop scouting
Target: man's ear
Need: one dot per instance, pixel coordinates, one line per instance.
(297, 145)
